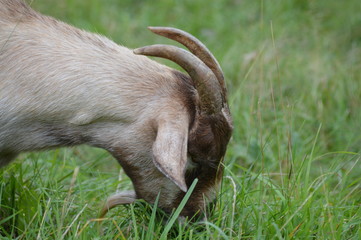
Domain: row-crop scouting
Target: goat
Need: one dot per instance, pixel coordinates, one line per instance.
(62, 86)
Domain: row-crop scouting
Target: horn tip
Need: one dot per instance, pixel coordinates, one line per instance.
(138, 51)
(158, 29)
(153, 28)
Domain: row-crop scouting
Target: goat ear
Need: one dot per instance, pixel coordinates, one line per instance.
(170, 149)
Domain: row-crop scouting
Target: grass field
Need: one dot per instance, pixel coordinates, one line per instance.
(293, 168)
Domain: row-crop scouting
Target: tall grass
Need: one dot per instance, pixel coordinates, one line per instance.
(293, 170)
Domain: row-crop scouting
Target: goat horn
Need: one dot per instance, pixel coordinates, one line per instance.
(204, 79)
(197, 48)
(125, 197)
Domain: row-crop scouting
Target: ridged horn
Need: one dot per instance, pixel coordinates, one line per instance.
(204, 79)
(197, 48)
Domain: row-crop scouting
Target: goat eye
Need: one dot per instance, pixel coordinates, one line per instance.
(191, 164)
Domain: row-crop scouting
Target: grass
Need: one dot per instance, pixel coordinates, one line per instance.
(293, 167)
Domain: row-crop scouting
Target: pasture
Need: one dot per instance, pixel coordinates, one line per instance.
(293, 166)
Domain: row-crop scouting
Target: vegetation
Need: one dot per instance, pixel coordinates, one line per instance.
(293, 168)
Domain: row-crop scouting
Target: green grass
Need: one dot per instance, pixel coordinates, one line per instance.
(293, 166)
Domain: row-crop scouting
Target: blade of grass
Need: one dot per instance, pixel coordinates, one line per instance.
(76, 217)
(135, 227)
(43, 219)
(310, 160)
(149, 236)
(178, 210)
(224, 236)
(308, 198)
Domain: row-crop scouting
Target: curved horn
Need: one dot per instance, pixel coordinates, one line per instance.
(197, 48)
(205, 81)
(125, 197)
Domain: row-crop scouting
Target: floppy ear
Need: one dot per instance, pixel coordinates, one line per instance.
(170, 149)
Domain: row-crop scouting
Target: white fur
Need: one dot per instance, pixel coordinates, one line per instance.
(51, 78)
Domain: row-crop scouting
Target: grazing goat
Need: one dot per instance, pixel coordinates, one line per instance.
(61, 86)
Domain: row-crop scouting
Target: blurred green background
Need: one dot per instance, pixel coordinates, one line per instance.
(293, 70)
